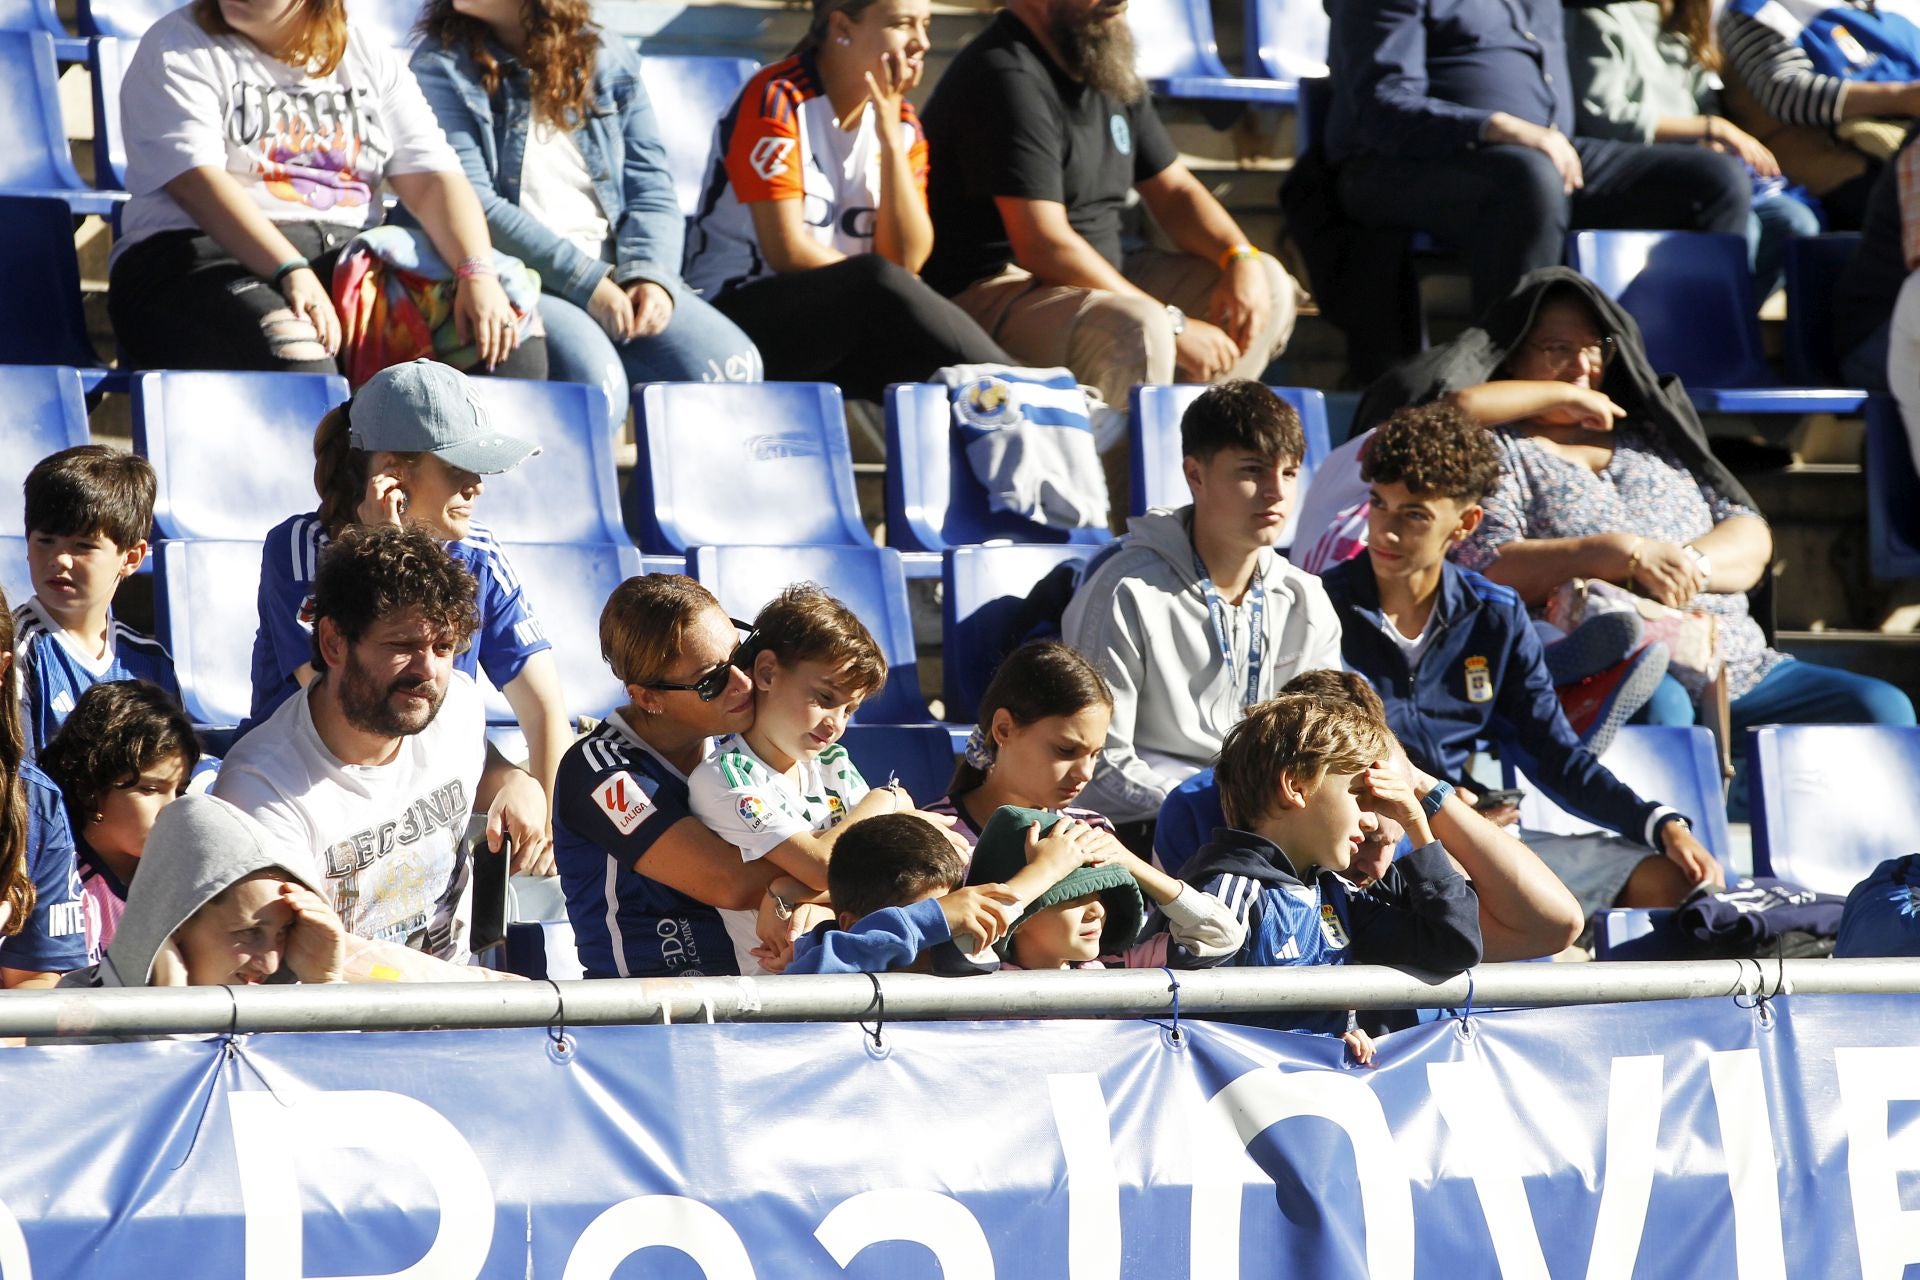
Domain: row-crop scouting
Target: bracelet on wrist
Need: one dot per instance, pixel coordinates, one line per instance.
(468, 268)
(1237, 252)
(287, 268)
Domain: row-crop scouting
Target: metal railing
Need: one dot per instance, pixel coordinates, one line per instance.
(1130, 993)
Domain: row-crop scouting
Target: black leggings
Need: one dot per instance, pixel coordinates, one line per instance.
(180, 301)
(862, 323)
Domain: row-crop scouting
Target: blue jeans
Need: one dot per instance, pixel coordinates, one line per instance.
(1775, 219)
(698, 345)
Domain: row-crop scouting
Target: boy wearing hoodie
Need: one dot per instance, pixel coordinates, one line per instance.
(1193, 617)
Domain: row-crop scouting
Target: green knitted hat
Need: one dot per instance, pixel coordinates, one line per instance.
(1002, 852)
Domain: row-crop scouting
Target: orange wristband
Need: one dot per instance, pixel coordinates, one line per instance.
(1237, 252)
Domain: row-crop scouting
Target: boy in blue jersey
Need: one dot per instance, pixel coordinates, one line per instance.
(1456, 658)
(88, 512)
(1303, 780)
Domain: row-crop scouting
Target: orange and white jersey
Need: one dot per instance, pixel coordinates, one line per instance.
(780, 141)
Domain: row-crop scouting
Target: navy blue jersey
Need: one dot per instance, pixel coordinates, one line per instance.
(54, 939)
(509, 632)
(612, 799)
(54, 672)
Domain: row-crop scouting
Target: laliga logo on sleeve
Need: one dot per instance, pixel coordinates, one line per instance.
(623, 800)
(769, 156)
(1479, 681)
(753, 812)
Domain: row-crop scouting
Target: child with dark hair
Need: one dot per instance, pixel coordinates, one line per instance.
(89, 509)
(126, 753)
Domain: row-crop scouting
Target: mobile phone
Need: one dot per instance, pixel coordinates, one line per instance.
(1490, 800)
(405, 502)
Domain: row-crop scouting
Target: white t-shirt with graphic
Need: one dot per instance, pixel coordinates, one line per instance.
(383, 840)
(745, 802)
(303, 148)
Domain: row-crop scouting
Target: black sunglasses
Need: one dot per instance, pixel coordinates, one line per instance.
(713, 682)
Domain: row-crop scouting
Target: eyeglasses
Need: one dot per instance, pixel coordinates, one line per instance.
(1561, 355)
(712, 682)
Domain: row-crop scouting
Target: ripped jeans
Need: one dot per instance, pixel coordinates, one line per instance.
(180, 301)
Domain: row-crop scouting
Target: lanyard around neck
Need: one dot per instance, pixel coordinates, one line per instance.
(1256, 633)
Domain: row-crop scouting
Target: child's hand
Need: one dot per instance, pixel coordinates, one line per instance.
(979, 915)
(1360, 1044)
(1389, 792)
(1068, 844)
(316, 940)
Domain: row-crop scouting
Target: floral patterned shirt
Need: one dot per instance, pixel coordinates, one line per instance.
(1644, 488)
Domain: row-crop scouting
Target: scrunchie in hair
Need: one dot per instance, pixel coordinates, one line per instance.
(979, 750)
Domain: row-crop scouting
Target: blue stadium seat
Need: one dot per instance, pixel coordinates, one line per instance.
(933, 500)
(34, 159)
(542, 952)
(1637, 934)
(1893, 493)
(107, 60)
(868, 580)
(126, 19)
(42, 410)
(689, 95)
(1813, 268)
(742, 463)
(570, 492)
(232, 452)
(392, 20)
(568, 584)
(206, 609)
(986, 588)
(919, 755)
(1178, 57)
(43, 322)
(1673, 764)
(1155, 443)
(1831, 802)
(1286, 40)
(40, 15)
(15, 580)
(1691, 293)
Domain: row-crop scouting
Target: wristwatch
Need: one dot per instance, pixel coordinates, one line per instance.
(1436, 796)
(782, 909)
(1179, 319)
(1659, 829)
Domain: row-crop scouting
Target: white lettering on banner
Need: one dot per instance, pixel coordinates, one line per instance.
(15, 1263)
(930, 1218)
(1488, 1143)
(1746, 1135)
(1093, 1184)
(1888, 1236)
(268, 1132)
(672, 1222)
(1256, 1102)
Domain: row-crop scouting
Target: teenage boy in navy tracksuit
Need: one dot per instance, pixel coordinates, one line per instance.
(1455, 658)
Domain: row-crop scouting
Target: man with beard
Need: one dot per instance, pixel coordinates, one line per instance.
(374, 768)
(1037, 132)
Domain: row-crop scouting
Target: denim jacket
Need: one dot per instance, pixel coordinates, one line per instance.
(618, 140)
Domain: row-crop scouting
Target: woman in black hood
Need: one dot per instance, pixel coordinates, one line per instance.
(1608, 476)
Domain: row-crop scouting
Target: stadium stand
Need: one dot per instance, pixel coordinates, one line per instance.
(1286, 41)
(206, 609)
(40, 15)
(125, 19)
(689, 93)
(920, 756)
(42, 410)
(933, 500)
(1831, 802)
(34, 157)
(107, 59)
(43, 322)
(1813, 267)
(1154, 440)
(569, 491)
(1674, 764)
(984, 613)
(719, 465)
(1692, 295)
(1893, 493)
(568, 584)
(868, 580)
(1180, 58)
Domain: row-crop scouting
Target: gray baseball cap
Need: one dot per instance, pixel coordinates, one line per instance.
(429, 407)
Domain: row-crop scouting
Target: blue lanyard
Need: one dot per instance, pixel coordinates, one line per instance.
(1256, 635)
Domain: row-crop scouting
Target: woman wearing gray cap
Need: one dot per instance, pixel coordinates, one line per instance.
(413, 445)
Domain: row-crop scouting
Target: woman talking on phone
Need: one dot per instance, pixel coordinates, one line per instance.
(413, 446)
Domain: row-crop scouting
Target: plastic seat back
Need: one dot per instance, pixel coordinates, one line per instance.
(1691, 293)
(1831, 802)
(1893, 493)
(33, 138)
(42, 322)
(982, 612)
(868, 580)
(232, 452)
(42, 410)
(107, 59)
(15, 579)
(1287, 39)
(568, 585)
(1813, 267)
(688, 94)
(391, 20)
(919, 755)
(31, 15)
(1175, 40)
(1671, 764)
(1637, 933)
(206, 608)
(568, 492)
(933, 499)
(737, 464)
(1158, 481)
(128, 19)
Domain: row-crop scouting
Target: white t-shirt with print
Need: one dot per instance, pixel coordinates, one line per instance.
(383, 840)
(745, 802)
(556, 191)
(302, 148)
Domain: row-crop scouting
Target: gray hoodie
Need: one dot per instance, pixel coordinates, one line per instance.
(1141, 617)
(199, 845)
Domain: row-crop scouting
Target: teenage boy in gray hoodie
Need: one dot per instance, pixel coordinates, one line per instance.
(1194, 617)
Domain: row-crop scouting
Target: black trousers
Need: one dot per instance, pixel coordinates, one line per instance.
(1504, 209)
(180, 301)
(862, 322)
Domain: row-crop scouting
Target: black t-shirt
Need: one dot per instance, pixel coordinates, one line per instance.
(1863, 297)
(1006, 121)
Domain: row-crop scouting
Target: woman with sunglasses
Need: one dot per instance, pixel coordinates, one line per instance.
(1608, 476)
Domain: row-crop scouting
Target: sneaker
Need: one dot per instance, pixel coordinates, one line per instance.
(1597, 706)
(1596, 644)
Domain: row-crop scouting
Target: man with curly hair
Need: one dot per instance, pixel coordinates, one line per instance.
(1455, 658)
(374, 769)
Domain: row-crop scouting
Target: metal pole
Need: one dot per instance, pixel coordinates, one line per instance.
(845, 998)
